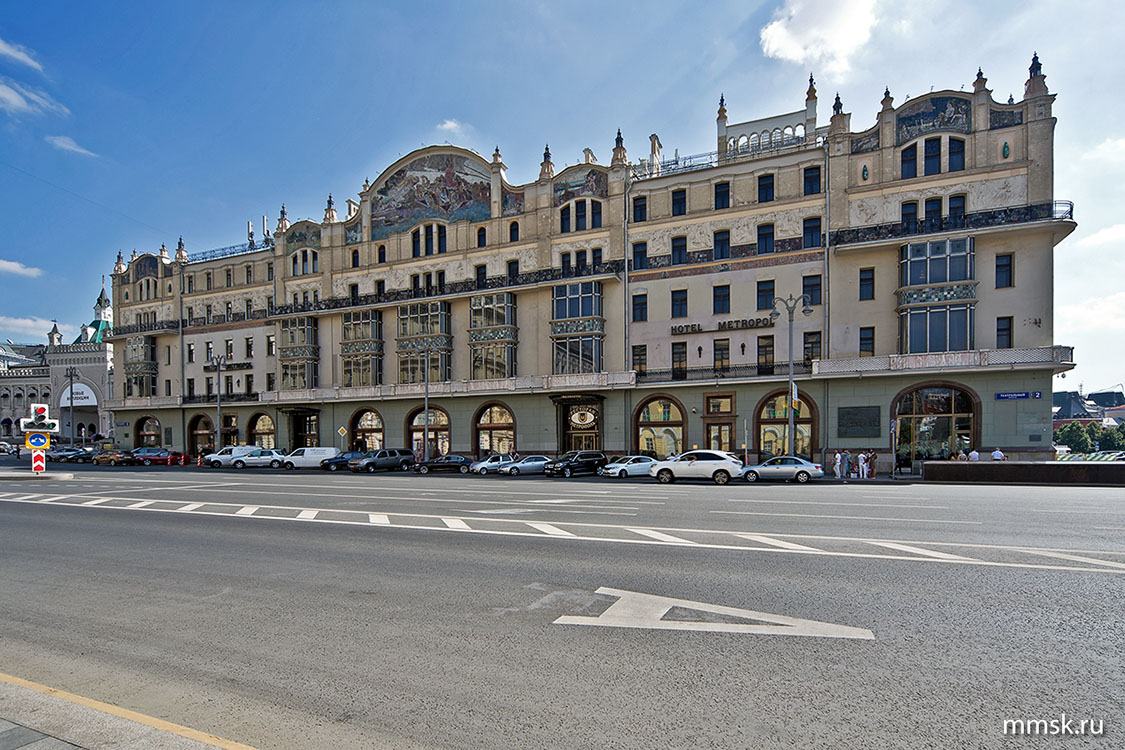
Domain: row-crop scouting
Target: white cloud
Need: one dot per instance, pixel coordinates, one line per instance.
(66, 143)
(19, 54)
(1093, 314)
(1111, 149)
(19, 269)
(451, 126)
(819, 33)
(21, 328)
(16, 99)
(1104, 236)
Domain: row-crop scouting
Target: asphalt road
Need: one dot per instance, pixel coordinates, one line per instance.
(293, 610)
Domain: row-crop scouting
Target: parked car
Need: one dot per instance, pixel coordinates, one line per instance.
(387, 459)
(61, 454)
(140, 453)
(260, 457)
(525, 465)
(308, 458)
(162, 456)
(340, 460)
(80, 456)
(6, 449)
(717, 466)
(225, 456)
(784, 467)
(575, 462)
(115, 457)
(491, 463)
(451, 462)
(628, 466)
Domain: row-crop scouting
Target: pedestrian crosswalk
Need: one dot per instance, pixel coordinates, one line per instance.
(955, 553)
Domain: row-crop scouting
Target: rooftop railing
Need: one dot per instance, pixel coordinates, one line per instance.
(230, 250)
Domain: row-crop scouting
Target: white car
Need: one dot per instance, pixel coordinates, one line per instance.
(717, 466)
(308, 458)
(492, 463)
(226, 456)
(628, 466)
(271, 458)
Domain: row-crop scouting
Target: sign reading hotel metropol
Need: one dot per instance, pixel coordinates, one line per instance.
(724, 325)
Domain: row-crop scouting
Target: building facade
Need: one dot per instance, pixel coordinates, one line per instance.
(632, 307)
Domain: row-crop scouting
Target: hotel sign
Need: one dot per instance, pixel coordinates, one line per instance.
(724, 325)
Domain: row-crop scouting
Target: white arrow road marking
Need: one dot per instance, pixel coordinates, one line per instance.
(636, 610)
(776, 542)
(918, 551)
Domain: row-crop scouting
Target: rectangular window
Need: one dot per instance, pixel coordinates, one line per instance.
(228, 348)
(810, 287)
(249, 274)
(579, 216)
(933, 156)
(271, 381)
(933, 214)
(596, 256)
(812, 180)
(271, 345)
(722, 195)
(718, 405)
(581, 300)
(191, 387)
(765, 355)
(441, 247)
(191, 352)
(867, 341)
(867, 283)
(910, 217)
(722, 245)
(228, 382)
(1004, 333)
(812, 232)
(580, 261)
(249, 309)
(191, 283)
(482, 276)
(765, 239)
(956, 154)
(513, 270)
(416, 243)
(679, 202)
(720, 300)
(382, 253)
(640, 359)
(595, 214)
(679, 360)
(210, 386)
(811, 346)
(910, 162)
(249, 342)
(269, 272)
(429, 239)
(250, 383)
(679, 250)
(380, 287)
(207, 280)
(765, 295)
(721, 354)
(640, 208)
(210, 351)
(230, 278)
(564, 263)
(640, 308)
(1003, 271)
(956, 211)
(564, 219)
(765, 188)
(640, 255)
(679, 303)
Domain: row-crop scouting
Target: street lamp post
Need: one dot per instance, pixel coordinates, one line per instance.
(426, 411)
(790, 304)
(71, 374)
(218, 360)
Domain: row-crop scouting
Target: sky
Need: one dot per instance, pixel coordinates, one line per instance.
(127, 125)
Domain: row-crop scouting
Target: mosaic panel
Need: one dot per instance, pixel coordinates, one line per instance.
(592, 182)
(303, 236)
(1004, 118)
(931, 294)
(439, 186)
(930, 115)
(577, 325)
(511, 202)
(496, 333)
(361, 347)
(865, 143)
(354, 233)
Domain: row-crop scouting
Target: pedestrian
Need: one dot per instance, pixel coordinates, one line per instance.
(861, 461)
(17, 451)
(871, 463)
(849, 465)
(961, 456)
(998, 455)
(974, 455)
(836, 463)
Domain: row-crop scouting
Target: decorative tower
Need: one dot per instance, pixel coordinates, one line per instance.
(103, 308)
(164, 254)
(181, 251)
(720, 128)
(330, 211)
(547, 168)
(810, 108)
(620, 158)
(282, 220)
(1036, 82)
(119, 266)
(54, 338)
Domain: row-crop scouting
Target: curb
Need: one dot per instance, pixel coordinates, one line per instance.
(18, 476)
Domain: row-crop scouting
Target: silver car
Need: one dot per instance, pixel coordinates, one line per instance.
(264, 457)
(628, 466)
(785, 468)
(492, 463)
(525, 465)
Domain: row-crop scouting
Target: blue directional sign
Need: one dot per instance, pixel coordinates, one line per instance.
(37, 440)
(1010, 396)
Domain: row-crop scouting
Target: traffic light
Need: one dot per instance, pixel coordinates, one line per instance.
(39, 421)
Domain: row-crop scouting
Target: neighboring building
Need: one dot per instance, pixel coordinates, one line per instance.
(38, 374)
(629, 307)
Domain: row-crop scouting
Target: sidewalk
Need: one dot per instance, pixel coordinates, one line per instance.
(37, 717)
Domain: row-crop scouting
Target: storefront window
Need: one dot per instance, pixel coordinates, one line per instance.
(660, 428)
(932, 424)
(773, 428)
(496, 431)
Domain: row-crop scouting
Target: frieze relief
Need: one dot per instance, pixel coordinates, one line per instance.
(578, 325)
(303, 236)
(495, 333)
(936, 294)
(865, 143)
(361, 347)
(422, 343)
(981, 195)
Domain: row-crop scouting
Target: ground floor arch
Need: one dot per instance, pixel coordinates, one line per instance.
(659, 426)
(771, 425)
(147, 433)
(367, 430)
(201, 435)
(494, 429)
(438, 431)
(262, 431)
(934, 421)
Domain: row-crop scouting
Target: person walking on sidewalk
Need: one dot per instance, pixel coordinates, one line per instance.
(836, 463)
(871, 464)
(862, 460)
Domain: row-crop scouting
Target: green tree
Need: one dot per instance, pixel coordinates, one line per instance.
(1075, 437)
(1114, 439)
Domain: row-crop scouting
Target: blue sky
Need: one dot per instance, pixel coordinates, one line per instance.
(126, 125)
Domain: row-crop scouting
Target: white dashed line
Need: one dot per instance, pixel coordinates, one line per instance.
(98, 501)
(661, 536)
(190, 507)
(776, 542)
(919, 551)
(307, 515)
(379, 518)
(141, 504)
(547, 528)
(456, 523)
(848, 518)
(247, 510)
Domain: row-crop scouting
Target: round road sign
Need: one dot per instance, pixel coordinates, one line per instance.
(36, 440)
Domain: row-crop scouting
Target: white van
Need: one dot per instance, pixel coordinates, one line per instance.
(227, 455)
(309, 458)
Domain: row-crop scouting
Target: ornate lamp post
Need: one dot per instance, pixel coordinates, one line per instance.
(790, 304)
(71, 374)
(218, 360)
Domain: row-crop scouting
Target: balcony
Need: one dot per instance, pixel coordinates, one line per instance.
(1056, 211)
(738, 372)
(141, 402)
(1052, 357)
(209, 398)
(157, 326)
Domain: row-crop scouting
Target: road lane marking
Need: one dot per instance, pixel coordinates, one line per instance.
(850, 518)
(456, 523)
(781, 543)
(141, 504)
(918, 551)
(648, 611)
(661, 536)
(818, 502)
(307, 515)
(52, 498)
(547, 528)
(247, 510)
(1076, 558)
(190, 507)
(98, 501)
(380, 518)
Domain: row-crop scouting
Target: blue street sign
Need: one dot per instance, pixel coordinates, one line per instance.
(37, 440)
(1037, 394)
(1012, 395)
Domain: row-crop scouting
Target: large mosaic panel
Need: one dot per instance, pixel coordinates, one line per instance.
(930, 115)
(590, 182)
(511, 203)
(1004, 118)
(438, 186)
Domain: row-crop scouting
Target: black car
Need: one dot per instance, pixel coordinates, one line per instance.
(444, 463)
(575, 462)
(340, 460)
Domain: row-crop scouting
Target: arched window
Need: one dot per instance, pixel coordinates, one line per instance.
(496, 430)
(482, 237)
(263, 432)
(438, 429)
(201, 435)
(382, 253)
(355, 258)
(147, 433)
(934, 422)
(367, 431)
(773, 426)
(514, 232)
(6, 427)
(660, 427)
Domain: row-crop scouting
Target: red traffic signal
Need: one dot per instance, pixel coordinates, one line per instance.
(40, 411)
